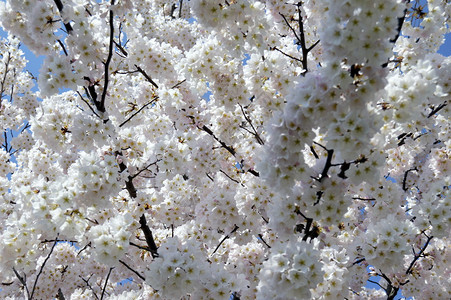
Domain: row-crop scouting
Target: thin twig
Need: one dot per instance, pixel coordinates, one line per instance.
(437, 109)
(134, 271)
(264, 242)
(89, 286)
(146, 76)
(138, 246)
(87, 103)
(138, 111)
(144, 169)
(417, 256)
(257, 136)
(22, 280)
(228, 176)
(106, 282)
(225, 238)
(42, 267)
(286, 54)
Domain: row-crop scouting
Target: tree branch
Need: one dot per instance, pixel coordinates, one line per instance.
(101, 106)
(42, 267)
(139, 110)
(437, 109)
(417, 256)
(146, 76)
(149, 237)
(134, 271)
(89, 286)
(106, 282)
(256, 135)
(225, 238)
(22, 280)
(60, 7)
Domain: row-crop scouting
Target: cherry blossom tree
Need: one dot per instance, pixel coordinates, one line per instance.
(208, 149)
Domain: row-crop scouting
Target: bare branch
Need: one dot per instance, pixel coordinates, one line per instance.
(257, 136)
(139, 110)
(101, 106)
(87, 103)
(225, 238)
(404, 180)
(417, 256)
(228, 176)
(60, 295)
(286, 54)
(60, 7)
(134, 271)
(106, 282)
(42, 267)
(264, 242)
(149, 237)
(22, 280)
(146, 76)
(437, 109)
(145, 168)
(140, 247)
(89, 286)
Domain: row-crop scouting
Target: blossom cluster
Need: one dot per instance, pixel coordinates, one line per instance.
(209, 149)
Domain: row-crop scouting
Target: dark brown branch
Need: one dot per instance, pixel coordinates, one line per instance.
(224, 145)
(144, 169)
(101, 106)
(286, 54)
(62, 46)
(84, 248)
(56, 240)
(146, 76)
(121, 49)
(134, 271)
(60, 7)
(22, 280)
(106, 282)
(42, 267)
(391, 291)
(209, 177)
(256, 135)
(139, 110)
(89, 286)
(372, 281)
(87, 103)
(180, 8)
(404, 180)
(225, 238)
(417, 256)
(308, 233)
(301, 38)
(399, 28)
(228, 176)
(60, 295)
(129, 183)
(358, 261)
(264, 242)
(363, 199)
(328, 164)
(140, 247)
(8, 60)
(437, 109)
(149, 237)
